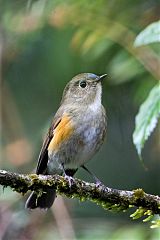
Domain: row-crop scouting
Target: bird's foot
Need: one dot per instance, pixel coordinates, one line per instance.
(98, 183)
(69, 179)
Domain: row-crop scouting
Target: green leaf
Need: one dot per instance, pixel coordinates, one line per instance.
(156, 224)
(138, 213)
(149, 35)
(147, 118)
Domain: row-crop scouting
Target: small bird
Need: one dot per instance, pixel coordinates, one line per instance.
(75, 135)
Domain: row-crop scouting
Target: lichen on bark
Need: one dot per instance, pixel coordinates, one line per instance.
(146, 205)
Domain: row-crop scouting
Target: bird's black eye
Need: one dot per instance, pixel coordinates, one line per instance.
(82, 84)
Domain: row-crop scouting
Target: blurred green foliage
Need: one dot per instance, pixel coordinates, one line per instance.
(149, 112)
(43, 44)
(147, 118)
(151, 34)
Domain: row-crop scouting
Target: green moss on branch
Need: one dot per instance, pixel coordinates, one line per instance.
(108, 198)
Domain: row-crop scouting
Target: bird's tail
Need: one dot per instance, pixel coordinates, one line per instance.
(44, 201)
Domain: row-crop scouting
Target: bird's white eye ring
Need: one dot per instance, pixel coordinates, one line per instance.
(83, 84)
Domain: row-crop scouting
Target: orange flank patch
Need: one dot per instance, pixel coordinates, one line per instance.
(61, 133)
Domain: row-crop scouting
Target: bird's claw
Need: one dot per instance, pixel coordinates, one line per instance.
(69, 179)
(99, 183)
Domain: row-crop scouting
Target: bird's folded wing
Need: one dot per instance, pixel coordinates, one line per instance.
(43, 156)
(58, 133)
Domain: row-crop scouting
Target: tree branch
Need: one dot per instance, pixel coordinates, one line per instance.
(108, 198)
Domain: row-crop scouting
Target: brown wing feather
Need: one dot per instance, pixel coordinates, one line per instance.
(43, 156)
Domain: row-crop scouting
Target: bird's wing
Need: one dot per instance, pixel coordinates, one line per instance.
(60, 130)
(43, 156)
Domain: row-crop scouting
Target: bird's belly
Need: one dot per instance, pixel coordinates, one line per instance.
(79, 148)
(92, 139)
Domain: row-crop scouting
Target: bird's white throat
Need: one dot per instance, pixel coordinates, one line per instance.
(96, 104)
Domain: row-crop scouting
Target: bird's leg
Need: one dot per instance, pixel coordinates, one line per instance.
(98, 182)
(68, 174)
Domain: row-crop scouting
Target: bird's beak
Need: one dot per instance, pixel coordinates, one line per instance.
(98, 79)
(102, 77)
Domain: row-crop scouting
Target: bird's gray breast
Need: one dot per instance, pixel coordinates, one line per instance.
(92, 132)
(87, 137)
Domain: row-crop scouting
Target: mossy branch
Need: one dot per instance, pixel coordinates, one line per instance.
(108, 198)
